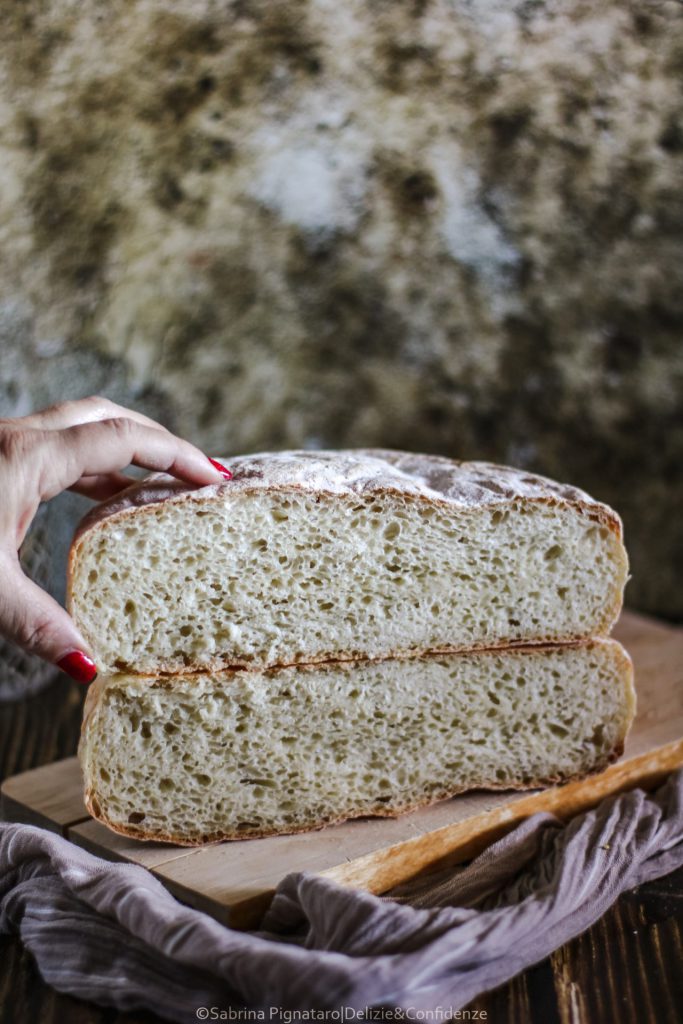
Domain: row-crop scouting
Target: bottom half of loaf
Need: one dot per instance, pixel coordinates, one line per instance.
(229, 755)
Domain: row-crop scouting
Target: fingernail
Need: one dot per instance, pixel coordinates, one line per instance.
(79, 666)
(223, 470)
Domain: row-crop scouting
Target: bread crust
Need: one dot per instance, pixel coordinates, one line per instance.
(132, 832)
(347, 475)
(136, 832)
(361, 472)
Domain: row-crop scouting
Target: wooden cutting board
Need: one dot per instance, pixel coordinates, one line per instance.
(234, 882)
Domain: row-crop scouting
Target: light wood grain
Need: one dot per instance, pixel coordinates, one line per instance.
(234, 881)
(50, 796)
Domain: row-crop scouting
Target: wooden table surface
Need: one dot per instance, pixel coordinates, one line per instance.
(627, 969)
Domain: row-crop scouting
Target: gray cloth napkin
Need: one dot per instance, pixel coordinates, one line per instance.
(112, 934)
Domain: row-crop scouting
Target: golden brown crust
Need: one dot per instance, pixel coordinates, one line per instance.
(168, 679)
(143, 835)
(364, 472)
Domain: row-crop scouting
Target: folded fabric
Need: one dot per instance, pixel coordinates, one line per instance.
(112, 934)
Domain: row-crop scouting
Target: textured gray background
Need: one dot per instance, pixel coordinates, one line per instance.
(447, 225)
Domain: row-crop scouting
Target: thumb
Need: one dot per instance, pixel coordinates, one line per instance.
(32, 619)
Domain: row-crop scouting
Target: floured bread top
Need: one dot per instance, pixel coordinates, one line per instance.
(362, 471)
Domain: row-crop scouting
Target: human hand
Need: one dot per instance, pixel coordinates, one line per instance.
(79, 446)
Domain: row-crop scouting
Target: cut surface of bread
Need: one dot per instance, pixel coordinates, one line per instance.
(229, 755)
(312, 556)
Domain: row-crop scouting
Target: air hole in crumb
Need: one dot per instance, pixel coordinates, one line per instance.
(136, 817)
(598, 737)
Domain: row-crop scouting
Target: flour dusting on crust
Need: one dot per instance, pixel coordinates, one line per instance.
(361, 472)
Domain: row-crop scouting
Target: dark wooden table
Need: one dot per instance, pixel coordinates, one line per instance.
(627, 969)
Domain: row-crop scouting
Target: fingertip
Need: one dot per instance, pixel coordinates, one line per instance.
(223, 470)
(79, 666)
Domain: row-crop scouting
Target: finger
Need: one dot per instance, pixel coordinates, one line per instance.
(102, 486)
(32, 619)
(108, 446)
(82, 410)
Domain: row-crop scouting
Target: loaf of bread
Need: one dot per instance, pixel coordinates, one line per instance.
(228, 755)
(309, 556)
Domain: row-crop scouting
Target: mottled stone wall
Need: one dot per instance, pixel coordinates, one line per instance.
(449, 225)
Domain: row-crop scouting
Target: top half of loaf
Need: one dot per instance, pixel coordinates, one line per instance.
(305, 556)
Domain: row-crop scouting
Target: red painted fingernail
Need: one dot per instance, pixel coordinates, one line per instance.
(223, 470)
(79, 666)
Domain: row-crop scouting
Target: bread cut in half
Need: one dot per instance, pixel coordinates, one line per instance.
(312, 556)
(229, 755)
